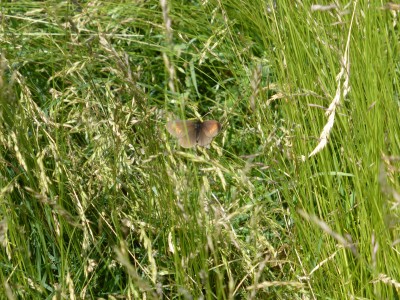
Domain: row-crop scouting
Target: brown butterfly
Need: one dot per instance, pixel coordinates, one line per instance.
(193, 132)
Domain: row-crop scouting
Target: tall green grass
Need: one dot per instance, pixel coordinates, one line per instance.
(99, 201)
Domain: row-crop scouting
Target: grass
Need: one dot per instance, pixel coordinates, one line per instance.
(99, 201)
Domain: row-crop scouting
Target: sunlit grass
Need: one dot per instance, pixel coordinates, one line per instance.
(98, 200)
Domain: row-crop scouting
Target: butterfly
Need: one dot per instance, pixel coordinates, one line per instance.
(192, 132)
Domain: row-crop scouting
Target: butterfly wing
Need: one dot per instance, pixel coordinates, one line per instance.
(185, 131)
(207, 131)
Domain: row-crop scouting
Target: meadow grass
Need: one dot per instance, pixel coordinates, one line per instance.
(296, 198)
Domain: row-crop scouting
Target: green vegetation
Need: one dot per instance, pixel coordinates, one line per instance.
(97, 200)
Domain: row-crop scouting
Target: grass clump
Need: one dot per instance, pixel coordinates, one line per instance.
(296, 198)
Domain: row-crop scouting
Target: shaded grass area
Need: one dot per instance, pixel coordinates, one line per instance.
(99, 201)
